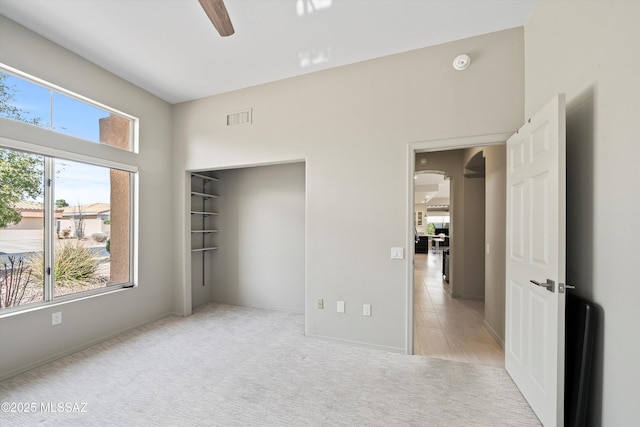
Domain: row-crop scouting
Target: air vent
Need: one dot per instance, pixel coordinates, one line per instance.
(239, 118)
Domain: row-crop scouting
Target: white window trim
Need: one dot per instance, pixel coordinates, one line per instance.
(61, 154)
(48, 243)
(50, 143)
(50, 86)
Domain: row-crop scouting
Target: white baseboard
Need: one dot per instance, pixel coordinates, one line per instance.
(494, 334)
(359, 344)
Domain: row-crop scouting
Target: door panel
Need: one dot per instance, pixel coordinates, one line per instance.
(515, 344)
(518, 221)
(534, 335)
(540, 220)
(539, 339)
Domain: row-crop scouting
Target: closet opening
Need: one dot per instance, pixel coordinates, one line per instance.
(247, 240)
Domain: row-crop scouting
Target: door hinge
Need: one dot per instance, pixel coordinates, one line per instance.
(49, 181)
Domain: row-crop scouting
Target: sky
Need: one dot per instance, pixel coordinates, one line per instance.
(81, 184)
(74, 182)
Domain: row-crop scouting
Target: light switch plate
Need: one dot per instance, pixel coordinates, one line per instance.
(366, 309)
(340, 307)
(397, 253)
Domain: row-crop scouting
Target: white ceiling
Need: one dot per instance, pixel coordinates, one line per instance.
(431, 188)
(170, 48)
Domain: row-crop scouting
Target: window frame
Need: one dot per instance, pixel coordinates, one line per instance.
(133, 131)
(51, 144)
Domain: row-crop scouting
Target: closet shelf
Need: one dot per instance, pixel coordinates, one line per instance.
(204, 195)
(203, 199)
(213, 248)
(203, 213)
(206, 178)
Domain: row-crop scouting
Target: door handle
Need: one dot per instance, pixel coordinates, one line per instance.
(563, 286)
(549, 284)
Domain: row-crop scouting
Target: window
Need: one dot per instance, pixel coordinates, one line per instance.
(30, 101)
(88, 240)
(66, 218)
(440, 221)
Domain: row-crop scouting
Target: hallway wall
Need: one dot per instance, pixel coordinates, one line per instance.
(474, 239)
(495, 238)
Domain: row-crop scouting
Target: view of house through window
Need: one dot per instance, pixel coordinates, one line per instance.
(65, 225)
(21, 228)
(90, 231)
(84, 227)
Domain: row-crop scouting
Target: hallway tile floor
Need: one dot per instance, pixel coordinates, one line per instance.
(446, 327)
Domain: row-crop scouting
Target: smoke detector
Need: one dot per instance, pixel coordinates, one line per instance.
(461, 62)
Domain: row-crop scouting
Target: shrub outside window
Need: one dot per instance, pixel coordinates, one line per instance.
(88, 238)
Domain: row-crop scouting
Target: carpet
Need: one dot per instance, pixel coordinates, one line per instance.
(236, 366)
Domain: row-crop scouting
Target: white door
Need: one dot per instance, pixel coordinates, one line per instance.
(534, 341)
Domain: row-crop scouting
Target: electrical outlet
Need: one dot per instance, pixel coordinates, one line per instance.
(320, 304)
(56, 318)
(340, 307)
(366, 309)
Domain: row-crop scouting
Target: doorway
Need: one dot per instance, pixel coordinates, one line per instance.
(455, 320)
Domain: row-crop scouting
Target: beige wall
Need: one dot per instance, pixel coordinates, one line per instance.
(495, 238)
(473, 208)
(473, 212)
(261, 260)
(352, 125)
(28, 338)
(26, 223)
(588, 50)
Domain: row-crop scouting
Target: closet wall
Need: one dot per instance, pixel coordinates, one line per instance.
(260, 260)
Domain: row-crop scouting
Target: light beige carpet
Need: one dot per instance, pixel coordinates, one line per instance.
(236, 366)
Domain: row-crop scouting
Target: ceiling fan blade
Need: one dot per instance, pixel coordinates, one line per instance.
(217, 13)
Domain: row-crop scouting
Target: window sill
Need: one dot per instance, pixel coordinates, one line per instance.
(64, 300)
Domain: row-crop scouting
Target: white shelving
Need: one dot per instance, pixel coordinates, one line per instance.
(204, 195)
(204, 177)
(204, 213)
(212, 248)
(203, 217)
